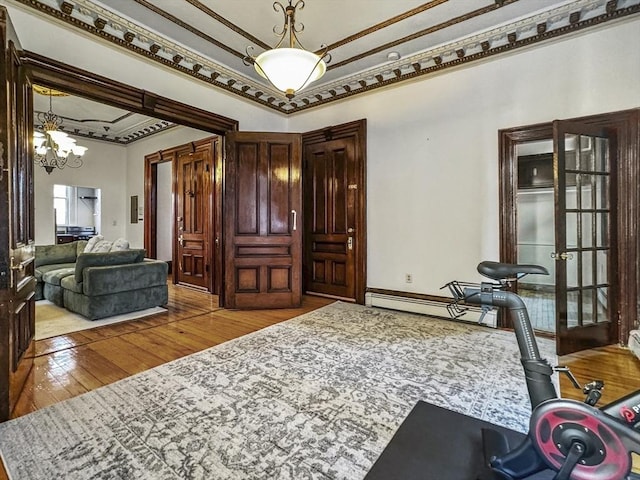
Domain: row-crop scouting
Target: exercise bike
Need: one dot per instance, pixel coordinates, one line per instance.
(576, 440)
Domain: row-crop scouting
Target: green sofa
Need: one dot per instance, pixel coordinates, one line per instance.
(98, 285)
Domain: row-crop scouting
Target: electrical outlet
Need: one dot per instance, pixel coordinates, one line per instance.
(408, 277)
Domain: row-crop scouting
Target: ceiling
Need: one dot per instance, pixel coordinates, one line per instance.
(85, 118)
(373, 43)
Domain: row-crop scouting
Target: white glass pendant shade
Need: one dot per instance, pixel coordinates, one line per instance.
(290, 69)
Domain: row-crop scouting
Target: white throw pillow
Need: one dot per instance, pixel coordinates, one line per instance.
(119, 245)
(92, 243)
(102, 246)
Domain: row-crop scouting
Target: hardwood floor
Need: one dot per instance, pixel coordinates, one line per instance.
(70, 365)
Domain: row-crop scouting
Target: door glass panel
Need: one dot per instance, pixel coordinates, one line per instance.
(572, 272)
(601, 146)
(571, 192)
(586, 230)
(586, 195)
(602, 191)
(587, 307)
(587, 159)
(601, 304)
(587, 269)
(602, 231)
(572, 308)
(601, 270)
(570, 142)
(572, 230)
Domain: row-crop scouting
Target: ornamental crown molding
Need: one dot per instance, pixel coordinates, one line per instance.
(566, 19)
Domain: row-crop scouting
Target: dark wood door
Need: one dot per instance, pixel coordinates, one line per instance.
(194, 175)
(334, 181)
(330, 187)
(585, 160)
(17, 281)
(262, 220)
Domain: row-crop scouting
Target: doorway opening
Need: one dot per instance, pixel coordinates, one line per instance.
(595, 222)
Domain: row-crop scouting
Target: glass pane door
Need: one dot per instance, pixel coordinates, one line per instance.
(584, 158)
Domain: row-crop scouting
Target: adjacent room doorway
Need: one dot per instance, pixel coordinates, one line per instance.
(195, 211)
(576, 216)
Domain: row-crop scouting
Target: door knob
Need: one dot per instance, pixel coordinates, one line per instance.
(351, 230)
(562, 256)
(181, 241)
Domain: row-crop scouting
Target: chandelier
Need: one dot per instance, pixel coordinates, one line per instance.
(292, 68)
(54, 148)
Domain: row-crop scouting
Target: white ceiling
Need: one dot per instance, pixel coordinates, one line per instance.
(86, 118)
(207, 39)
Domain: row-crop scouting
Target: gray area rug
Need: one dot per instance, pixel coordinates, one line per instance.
(316, 397)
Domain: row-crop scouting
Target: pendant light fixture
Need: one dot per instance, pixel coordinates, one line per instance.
(54, 148)
(290, 68)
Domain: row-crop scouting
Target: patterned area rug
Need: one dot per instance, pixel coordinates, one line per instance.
(316, 397)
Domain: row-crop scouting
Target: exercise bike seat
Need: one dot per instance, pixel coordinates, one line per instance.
(508, 271)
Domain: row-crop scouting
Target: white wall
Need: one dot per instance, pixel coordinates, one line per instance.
(432, 148)
(104, 168)
(164, 227)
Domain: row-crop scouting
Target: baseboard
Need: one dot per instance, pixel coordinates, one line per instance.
(431, 305)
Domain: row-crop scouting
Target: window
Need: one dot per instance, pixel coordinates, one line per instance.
(61, 195)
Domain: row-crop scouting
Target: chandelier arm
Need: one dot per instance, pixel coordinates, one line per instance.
(249, 59)
(277, 6)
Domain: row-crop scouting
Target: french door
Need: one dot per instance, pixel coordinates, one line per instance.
(585, 235)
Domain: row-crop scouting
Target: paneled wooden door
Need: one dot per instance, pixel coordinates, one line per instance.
(194, 182)
(334, 211)
(262, 220)
(17, 281)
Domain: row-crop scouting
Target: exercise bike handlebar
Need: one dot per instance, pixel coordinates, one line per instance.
(537, 370)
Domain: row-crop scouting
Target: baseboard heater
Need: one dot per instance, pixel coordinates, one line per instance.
(432, 305)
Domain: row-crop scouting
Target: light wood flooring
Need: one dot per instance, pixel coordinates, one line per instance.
(76, 363)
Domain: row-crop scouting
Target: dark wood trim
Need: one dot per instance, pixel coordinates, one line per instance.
(626, 124)
(67, 78)
(151, 162)
(358, 130)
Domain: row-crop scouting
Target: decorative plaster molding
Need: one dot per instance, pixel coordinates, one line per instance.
(566, 19)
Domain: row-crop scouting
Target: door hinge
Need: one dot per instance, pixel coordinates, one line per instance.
(206, 168)
(206, 268)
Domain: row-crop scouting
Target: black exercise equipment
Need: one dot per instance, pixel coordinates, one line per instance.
(575, 439)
